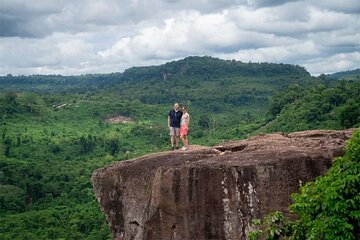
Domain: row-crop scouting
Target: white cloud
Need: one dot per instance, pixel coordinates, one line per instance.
(335, 63)
(291, 19)
(91, 36)
(54, 54)
(189, 34)
(349, 6)
(279, 54)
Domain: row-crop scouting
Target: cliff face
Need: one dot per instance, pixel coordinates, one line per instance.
(211, 193)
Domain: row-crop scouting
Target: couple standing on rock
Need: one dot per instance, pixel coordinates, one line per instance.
(178, 123)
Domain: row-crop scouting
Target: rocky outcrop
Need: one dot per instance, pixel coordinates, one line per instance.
(211, 193)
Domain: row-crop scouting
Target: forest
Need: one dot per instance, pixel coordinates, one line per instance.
(54, 130)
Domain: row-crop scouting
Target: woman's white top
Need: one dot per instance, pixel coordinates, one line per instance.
(184, 119)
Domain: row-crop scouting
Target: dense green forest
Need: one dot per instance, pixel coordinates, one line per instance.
(317, 107)
(54, 131)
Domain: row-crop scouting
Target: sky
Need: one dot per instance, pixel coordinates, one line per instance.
(70, 37)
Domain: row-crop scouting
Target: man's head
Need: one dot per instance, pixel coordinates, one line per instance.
(176, 106)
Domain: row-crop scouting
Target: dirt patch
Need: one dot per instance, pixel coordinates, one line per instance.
(119, 119)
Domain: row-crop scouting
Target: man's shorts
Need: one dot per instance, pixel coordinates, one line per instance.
(184, 130)
(174, 131)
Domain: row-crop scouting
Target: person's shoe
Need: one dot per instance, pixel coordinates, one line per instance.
(184, 148)
(177, 147)
(172, 148)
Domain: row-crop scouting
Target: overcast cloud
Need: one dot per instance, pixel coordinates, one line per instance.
(102, 36)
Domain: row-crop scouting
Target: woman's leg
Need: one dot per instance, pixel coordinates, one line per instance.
(183, 140)
(186, 141)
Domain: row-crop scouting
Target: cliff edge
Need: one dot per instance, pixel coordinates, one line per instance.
(212, 193)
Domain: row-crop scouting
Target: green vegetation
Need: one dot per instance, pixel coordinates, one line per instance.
(48, 155)
(317, 107)
(328, 208)
(58, 83)
(54, 133)
(353, 74)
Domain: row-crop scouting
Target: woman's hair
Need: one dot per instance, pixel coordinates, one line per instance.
(184, 106)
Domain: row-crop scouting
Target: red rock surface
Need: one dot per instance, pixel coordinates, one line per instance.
(212, 193)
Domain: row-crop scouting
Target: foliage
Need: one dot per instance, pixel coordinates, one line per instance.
(346, 74)
(58, 83)
(317, 107)
(46, 161)
(210, 68)
(350, 115)
(54, 133)
(274, 226)
(60, 222)
(281, 99)
(328, 208)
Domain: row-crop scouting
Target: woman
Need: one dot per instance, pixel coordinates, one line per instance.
(184, 128)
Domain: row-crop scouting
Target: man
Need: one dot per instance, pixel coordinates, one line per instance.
(174, 126)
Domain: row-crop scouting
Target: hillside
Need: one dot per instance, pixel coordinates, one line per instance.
(205, 80)
(57, 83)
(320, 107)
(345, 75)
(199, 68)
(220, 93)
(211, 68)
(54, 131)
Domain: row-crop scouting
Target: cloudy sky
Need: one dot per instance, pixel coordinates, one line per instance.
(101, 36)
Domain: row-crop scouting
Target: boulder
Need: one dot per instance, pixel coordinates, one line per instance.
(212, 193)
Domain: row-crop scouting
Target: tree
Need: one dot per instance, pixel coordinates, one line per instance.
(204, 122)
(30, 100)
(11, 198)
(86, 144)
(113, 146)
(7, 147)
(281, 99)
(11, 102)
(350, 114)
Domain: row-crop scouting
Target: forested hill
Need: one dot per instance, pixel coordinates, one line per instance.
(346, 74)
(57, 83)
(209, 67)
(196, 68)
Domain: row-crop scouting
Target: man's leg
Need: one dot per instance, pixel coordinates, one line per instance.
(172, 137)
(172, 140)
(177, 141)
(177, 137)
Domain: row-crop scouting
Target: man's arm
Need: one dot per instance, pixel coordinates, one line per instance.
(169, 121)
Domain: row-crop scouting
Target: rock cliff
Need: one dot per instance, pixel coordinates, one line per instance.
(211, 193)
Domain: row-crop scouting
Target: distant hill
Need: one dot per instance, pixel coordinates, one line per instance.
(57, 83)
(346, 74)
(209, 67)
(203, 68)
